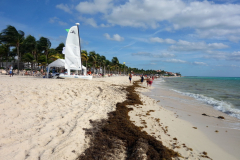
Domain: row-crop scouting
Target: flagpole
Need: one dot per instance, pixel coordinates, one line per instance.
(80, 47)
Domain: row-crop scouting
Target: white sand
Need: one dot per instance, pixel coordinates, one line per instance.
(45, 118)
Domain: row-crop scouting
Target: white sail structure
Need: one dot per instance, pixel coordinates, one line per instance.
(72, 50)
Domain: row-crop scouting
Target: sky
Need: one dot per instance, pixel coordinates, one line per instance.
(195, 38)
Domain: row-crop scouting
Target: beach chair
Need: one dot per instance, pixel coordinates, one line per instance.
(4, 72)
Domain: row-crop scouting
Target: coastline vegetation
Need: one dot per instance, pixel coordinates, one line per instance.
(39, 53)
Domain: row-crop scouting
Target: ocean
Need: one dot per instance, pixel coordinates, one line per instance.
(222, 93)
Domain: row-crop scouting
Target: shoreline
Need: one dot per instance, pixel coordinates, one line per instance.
(45, 118)
(190, 110)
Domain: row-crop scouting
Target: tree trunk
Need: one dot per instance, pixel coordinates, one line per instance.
(104, 70)
(7, 59)
(32, 67)
(18, 57)
(2, 62)
(47, 57)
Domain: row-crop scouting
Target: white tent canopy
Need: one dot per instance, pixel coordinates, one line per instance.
(61, 63)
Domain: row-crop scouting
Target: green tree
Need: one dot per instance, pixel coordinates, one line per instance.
(28, 57)
(4, 51)
(30, 46)
(13, 37)
(103, 62)
(60, 48)
(44, 46)
(42, 60)
(93, 58)
(108, 65)
(84, 56)
(115, 62)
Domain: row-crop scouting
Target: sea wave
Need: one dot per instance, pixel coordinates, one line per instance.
(159, 81)
(222, 106)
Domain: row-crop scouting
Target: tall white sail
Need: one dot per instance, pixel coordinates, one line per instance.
(72, 50)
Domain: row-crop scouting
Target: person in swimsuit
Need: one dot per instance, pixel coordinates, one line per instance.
(150, 81)
(147, 81)
(142, 79)
(130, 77)
(11, 71)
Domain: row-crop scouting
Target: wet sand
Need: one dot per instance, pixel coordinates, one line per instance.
(225, 134)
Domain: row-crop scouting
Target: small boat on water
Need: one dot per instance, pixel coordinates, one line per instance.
(72, 61)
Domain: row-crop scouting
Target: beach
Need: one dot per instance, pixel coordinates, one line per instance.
(47, 119)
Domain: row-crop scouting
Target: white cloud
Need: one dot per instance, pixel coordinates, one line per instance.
(234, 56)
(141, 54)
(89, 21)
(53, 19)
(65, 7)
(160, 40)
(210, 20)
(200, 63)
(175, 61)
(56, 20)
(234, 66)
(115, 37)
(182, 45)
(62, 23)
(144, 13)
(94, 7)
(106, 25)
(161, 55)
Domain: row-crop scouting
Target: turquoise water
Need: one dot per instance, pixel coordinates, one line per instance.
(222, 93)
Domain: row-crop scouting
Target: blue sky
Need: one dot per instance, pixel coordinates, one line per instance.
(195, 38)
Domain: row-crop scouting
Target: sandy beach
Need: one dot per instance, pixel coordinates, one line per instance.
(45, 119)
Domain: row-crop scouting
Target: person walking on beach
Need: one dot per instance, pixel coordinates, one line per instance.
(147, 81)
(130, 77)
(11, 71)
(142, 79)
(150, 81)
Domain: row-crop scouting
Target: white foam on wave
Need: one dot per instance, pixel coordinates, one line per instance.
(222, 106)
(159, 81)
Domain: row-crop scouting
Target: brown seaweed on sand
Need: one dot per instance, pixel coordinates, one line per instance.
(118, 136)
(220, 117)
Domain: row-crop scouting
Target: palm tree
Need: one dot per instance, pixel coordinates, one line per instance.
(4, 53)
(103, 61)
(60, 48)
(30, 46)
(115, 62)
(13, 37)
(42, 60)
(93, 58)
(28, 57)
(99, 60)
(44, 45)
(121, 66)
(84, 56)
(108, 64)
(54, 55)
